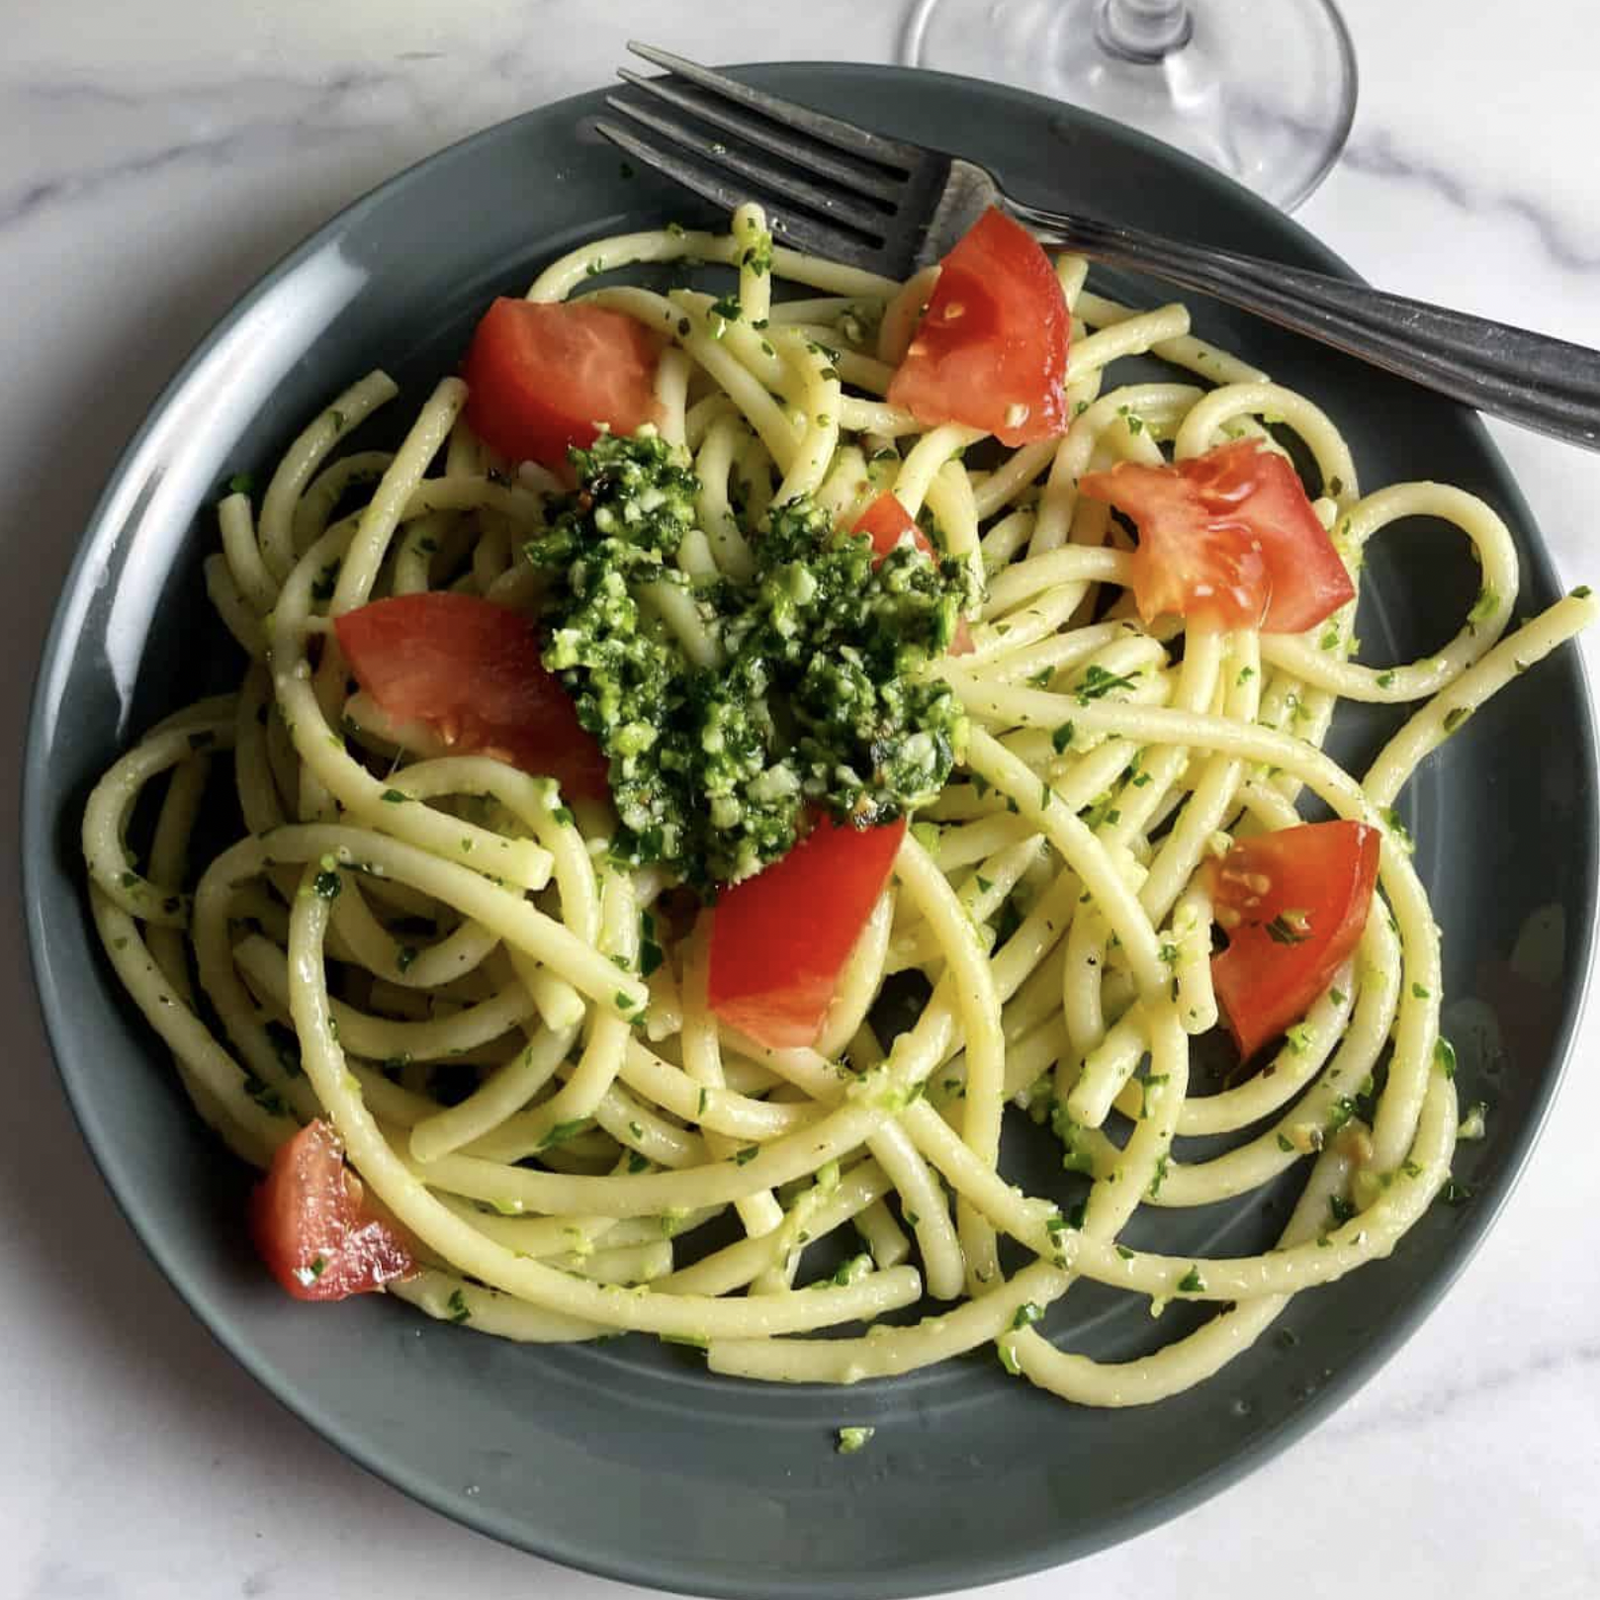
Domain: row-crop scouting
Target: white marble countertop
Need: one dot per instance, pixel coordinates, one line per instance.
(154, 160)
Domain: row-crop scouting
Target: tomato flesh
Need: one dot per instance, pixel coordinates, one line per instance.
(886, 522)
(991, 348)
(542, 378)
(470, 671)
(1293, 905)
(312, 1227)
(779, 940)
(1228, 537)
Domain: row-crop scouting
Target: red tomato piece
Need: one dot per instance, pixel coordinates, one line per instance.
(1229, 537)
(471, 672)
(1293, 905)
(314, 1229)
(541, 378)
(991, 348)
(779, 940)
(886, 522)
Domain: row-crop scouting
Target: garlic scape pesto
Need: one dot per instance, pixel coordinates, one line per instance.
(729, 706)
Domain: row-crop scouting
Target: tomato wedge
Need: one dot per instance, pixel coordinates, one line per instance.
(1229, 537)
(541, 378)
(313, 1228)
(471, 672)
(779, 940)
(886, 522)
(991, 348)
(1293, 905)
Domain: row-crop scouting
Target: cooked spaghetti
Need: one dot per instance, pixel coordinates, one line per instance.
(497, 993)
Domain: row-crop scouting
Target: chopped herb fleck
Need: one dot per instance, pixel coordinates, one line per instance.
(1340, 1112)
(1402, 835)
(562, 1131)
(1097, 683)
(1444, 1056)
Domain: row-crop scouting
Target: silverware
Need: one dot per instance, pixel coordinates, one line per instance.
(891, 206)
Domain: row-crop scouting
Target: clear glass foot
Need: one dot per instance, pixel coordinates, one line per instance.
(1265, 90)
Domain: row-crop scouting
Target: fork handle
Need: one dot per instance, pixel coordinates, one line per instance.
(1550, 385)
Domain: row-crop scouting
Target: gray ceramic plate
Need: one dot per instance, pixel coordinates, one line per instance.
(629, 1459)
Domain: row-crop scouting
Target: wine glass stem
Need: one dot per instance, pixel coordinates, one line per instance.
(1143, 30)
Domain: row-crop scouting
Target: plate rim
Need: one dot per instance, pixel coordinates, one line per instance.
(38, 829)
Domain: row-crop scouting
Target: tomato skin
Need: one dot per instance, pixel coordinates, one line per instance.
(542, 378)
(993, 340)
(779, 940)
(314, 1230)
(1313, 886)
(471, 671)
(886, 522)
(1228, 537)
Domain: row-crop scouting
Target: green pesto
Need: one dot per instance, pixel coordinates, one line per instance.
(819, 696)
(1076, 1153)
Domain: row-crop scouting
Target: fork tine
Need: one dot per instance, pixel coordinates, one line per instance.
(834, 131)
(759, 172)
(800, 232)
(848, 174)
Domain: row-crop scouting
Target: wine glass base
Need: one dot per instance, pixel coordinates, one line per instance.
(1265, 90)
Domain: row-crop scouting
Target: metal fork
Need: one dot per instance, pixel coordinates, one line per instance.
(890, 206)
